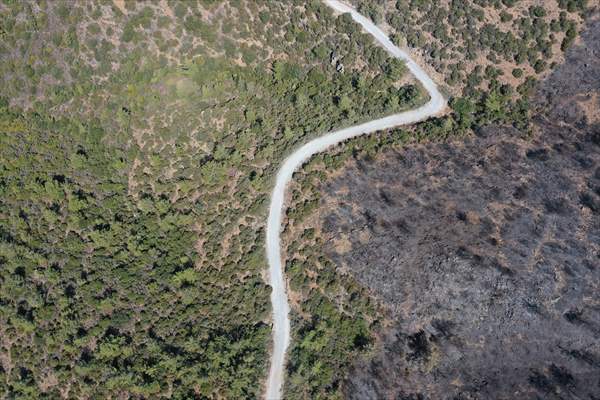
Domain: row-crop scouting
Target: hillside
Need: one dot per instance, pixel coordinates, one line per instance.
(482, 252)
(138, 144)
(455, 258)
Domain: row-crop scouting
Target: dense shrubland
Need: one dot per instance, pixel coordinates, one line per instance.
(488, 54)
(99, 294)
(332, 314)
(499, 36)
(138, 145)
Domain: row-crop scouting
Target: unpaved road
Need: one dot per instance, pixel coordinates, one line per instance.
(279, 301)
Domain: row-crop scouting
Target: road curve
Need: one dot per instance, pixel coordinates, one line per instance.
(279, 300)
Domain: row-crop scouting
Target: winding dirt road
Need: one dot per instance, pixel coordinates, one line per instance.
(279, 300)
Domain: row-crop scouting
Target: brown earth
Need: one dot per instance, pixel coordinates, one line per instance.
(485, 253)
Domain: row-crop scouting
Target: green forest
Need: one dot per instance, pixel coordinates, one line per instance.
(138, 147)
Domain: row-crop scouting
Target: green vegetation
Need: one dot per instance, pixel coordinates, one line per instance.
(464, 34)
(138, 148)
(332, 314)
(99, 293)
(138, 143)
(489, 52)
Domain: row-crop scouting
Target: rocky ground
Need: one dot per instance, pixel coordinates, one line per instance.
(485, 252)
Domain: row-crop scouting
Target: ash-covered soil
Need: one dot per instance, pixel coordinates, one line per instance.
(486, 253)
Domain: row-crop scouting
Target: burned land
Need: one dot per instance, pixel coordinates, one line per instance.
(485, 252)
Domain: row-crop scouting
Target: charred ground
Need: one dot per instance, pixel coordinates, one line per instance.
(485, 252)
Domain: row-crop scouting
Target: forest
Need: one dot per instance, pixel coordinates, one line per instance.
(138, 149)
(138, 146)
